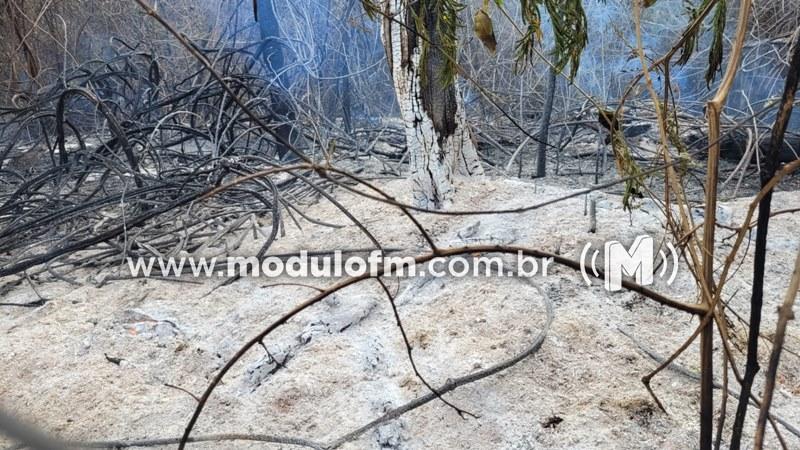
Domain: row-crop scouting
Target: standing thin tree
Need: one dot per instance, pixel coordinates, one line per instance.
(544, 128)
(769, 166)
(271, 53)
(344, 88)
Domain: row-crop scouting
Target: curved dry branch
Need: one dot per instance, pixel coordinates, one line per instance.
(447, 252)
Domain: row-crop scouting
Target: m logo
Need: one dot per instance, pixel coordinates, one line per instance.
(636, 262)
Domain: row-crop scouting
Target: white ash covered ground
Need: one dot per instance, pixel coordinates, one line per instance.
(119, 361)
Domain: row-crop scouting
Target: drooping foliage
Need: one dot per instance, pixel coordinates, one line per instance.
(715, 52)
(569, 30)
(567, 17)
(446, 19)
(718, 30)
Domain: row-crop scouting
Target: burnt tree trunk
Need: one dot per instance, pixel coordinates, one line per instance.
(768, 168)
(544, 129)
(343, 85)
(271, 54)
(437, 135)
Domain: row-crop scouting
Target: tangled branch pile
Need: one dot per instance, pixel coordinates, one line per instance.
(117, 163)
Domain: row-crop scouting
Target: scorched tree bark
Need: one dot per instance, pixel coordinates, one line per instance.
(437, 135)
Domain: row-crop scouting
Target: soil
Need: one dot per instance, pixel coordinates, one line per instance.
(122, 360)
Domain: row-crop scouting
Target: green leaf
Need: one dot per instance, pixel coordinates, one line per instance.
(715, 53)
(569, 27)
(371, 9)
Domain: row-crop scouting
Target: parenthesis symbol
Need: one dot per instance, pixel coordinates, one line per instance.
(583, 263)
(674, 263)
(664, 263)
